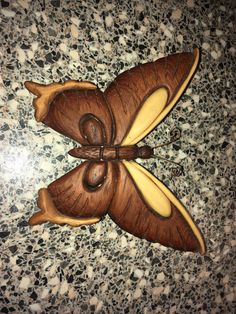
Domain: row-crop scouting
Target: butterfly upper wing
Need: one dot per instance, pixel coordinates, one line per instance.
(142, 96)
(75, 109)
(156, 216)
(132, 105)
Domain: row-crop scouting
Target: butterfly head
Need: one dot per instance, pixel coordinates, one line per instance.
(145, 152)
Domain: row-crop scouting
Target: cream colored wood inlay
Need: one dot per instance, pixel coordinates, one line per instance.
(152, 194)
(143, 124)
(146, 116)
(157, 185)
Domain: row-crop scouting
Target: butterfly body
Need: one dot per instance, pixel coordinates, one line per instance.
(112, 153)
(108, 125)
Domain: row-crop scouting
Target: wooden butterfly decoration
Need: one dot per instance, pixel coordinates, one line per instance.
(108, 125)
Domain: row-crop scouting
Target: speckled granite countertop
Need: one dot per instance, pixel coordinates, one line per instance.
(101, 269)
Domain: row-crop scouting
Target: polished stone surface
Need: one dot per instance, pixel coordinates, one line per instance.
(100, 268)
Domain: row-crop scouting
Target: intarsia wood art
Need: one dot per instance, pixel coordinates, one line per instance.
(108, 125)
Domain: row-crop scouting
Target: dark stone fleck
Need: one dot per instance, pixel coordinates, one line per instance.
(40, 63)
(7, 83)
(60, 157)
(136, 26)
(142, 47)
(141, 16)
(92, 229)
(81, 280)
(4, 234)
(29, 248)
(34, 295)
(23, 223)
(84, 307)
(155, 261)
(150, 253)
(24, 46)
(13, 248)
(5, 127)
(22, 123)
(4, 3)
(10, 97)
(224, 145)
(21, 303)
(70, 279)
(55, 3)
(200, 161)
(49, 57)
(212, 170)
(52, 32)
(132, 277)
(92, 308)
(176, 147)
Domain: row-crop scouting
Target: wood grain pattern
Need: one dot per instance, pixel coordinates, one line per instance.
(132, 214)
(116, 108)
(112, 152)
(70, 111)
(99, 122)
(86, 191)
(130, 89)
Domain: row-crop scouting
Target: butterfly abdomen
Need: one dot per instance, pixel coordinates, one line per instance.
(112, 152)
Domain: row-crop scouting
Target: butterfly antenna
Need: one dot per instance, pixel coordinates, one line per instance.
(177, 171)
(175, 135)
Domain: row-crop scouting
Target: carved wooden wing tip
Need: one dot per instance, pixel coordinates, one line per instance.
(46, 93)
(49, 213)
(142, 96)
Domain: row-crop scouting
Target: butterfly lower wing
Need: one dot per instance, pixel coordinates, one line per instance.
(141, 97)
(148, 210)
(75, 109)
(82, 196)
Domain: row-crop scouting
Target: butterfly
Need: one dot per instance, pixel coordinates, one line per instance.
(108, 125)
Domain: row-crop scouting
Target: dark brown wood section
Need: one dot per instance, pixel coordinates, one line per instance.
(112, 152)
(82, 115)
(86, 191)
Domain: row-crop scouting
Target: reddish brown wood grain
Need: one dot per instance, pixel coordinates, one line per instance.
(69, 113)
(130, 89)
(112, 152)
(86, 191)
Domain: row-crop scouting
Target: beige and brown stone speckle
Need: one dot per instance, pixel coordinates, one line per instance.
(100, 268)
